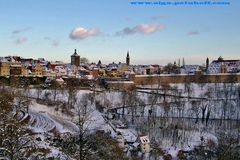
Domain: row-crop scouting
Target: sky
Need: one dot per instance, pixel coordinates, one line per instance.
(106, 29)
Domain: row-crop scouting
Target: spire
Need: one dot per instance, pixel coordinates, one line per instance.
(99, 63)
(183, 62)
(128, 58)
(75, 53)
(207, 63)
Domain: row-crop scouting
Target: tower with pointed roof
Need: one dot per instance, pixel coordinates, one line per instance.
(207, 63)
(75, 59)
(128, 59)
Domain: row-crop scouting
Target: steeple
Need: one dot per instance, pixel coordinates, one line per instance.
(128, 58)
(75, 53)
(75, 59)
(99, 63)
(207, 63)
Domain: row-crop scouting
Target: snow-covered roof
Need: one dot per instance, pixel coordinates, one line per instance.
(4, 60)
(95, 68)
(144, 139)
(135, 144)
(231, 65)
(89, 76)
(214, 67)
(116, 82)
(16, 65)
(128, 135)
(191, 68)
(82, 69)
(59, 80)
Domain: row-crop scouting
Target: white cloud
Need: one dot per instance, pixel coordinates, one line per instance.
(17, 31)
(192, 33)
(80, 33)
(54, 43)
(141, 28)
(21, 40)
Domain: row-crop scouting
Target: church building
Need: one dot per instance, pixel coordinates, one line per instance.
(75, 59)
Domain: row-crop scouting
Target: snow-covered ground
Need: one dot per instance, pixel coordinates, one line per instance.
(43, 119)
(171, 134)
(222, 101)
(186, 130)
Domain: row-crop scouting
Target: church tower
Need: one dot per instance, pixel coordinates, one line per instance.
(75, 59)
(128, 59)
(207, 63)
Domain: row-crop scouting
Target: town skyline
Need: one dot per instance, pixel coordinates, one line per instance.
(171, 61)
(151, 34)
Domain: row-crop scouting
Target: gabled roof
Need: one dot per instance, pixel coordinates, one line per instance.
(144, 139)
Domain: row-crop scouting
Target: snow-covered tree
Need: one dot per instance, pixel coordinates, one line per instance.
(15, 141)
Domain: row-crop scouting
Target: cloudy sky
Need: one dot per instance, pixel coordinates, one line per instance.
(107, 29)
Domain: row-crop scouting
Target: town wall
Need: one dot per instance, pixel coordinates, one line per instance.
(121, 85)
(197, 78)
(137, 80)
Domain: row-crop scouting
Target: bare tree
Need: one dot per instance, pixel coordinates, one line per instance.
(226, 93)
(238, 96)
(166, 107)
(22, 101)
(71, 92)
(78, 145)
(142, 106)
(165, 88)
(15, 141)
(203, 106)
(152, 100)
(132, 103)
(188, 88)
(83, 110)
(123, 98)
(195, 108)
(55, 86)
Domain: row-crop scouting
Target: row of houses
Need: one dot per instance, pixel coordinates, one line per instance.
(15, 65)
(224, 66)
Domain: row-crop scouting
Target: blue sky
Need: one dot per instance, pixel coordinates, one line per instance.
(107, 29)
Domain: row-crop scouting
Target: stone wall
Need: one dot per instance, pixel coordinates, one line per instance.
(121, 84)
(198, 78)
